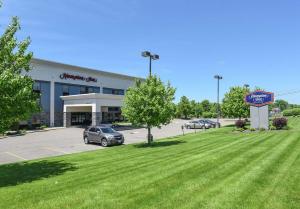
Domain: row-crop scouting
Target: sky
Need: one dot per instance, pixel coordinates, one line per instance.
(255, 42)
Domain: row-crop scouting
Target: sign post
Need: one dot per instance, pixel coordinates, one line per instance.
(259, 111)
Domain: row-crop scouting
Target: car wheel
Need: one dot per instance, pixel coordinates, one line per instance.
(104, 142)
(188, 127)
(86, 140)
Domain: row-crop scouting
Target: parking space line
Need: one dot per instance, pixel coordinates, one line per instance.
(55, 150)
(15, 155)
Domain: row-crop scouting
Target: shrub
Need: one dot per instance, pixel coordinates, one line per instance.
(252, 129)
(279, 123)
(291, 112)
(240, 124)
(262, 129)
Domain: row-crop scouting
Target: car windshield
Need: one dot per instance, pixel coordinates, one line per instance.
(107, 130)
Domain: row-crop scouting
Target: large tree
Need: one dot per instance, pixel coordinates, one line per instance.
(234, 105)
(149, 103)
(18, 101)
(184, 107)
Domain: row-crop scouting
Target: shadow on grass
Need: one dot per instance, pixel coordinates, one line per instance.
(19, 173)
(160, 144)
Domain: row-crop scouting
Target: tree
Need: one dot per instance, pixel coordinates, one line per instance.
(18, 101)
(234, 104)
(206, 105)
(198, 110)
(149, 103)
(184, 107)
(281, 104)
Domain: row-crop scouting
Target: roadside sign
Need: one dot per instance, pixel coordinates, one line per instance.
(259, 98)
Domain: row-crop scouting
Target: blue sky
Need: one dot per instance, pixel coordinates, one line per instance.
(246, 41)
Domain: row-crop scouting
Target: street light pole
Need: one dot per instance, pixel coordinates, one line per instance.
(218, 77)
(151, 57)
(150, 65)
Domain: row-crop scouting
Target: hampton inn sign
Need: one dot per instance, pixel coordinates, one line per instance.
(77, 77)
(259, 111)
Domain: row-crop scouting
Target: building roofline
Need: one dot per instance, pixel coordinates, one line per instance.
(43, 61)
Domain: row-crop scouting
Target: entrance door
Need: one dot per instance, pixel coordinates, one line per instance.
(81, 118)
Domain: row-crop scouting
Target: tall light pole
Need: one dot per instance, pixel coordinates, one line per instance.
(151, 57)
(218, 77)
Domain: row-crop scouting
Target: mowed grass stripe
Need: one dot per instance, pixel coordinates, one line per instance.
(217, 169)
(82, 181)
(274, 174)
(210, 172)
(152, 162)
(241, 180)
(88, 180)
(116, 193)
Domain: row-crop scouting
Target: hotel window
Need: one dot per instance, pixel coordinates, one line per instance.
(87, 90)
(83, 90)
(113, 91)
(65, 90)
(37, 87)
(90, 90)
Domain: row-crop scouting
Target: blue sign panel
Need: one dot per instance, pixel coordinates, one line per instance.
(259, 98)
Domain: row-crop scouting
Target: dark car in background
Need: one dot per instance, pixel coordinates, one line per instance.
(104, 135)
(212, 123)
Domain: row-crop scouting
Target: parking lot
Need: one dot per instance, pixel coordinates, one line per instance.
(69, 140)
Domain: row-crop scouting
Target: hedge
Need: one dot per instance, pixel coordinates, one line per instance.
(291, 112)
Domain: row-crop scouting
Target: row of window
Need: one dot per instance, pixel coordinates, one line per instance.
(83, 89)
(113, 91)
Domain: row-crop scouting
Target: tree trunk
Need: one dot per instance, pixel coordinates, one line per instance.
(149, 135)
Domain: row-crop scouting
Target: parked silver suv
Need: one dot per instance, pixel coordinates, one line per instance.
(104, 135)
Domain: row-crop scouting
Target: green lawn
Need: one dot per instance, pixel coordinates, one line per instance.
(215, 169)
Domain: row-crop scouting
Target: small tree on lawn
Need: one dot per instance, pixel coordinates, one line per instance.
(184, 107)
(17, 99)
(149, 103)
(234, 105)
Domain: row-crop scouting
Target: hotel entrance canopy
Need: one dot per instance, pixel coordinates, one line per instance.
(95, 103)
